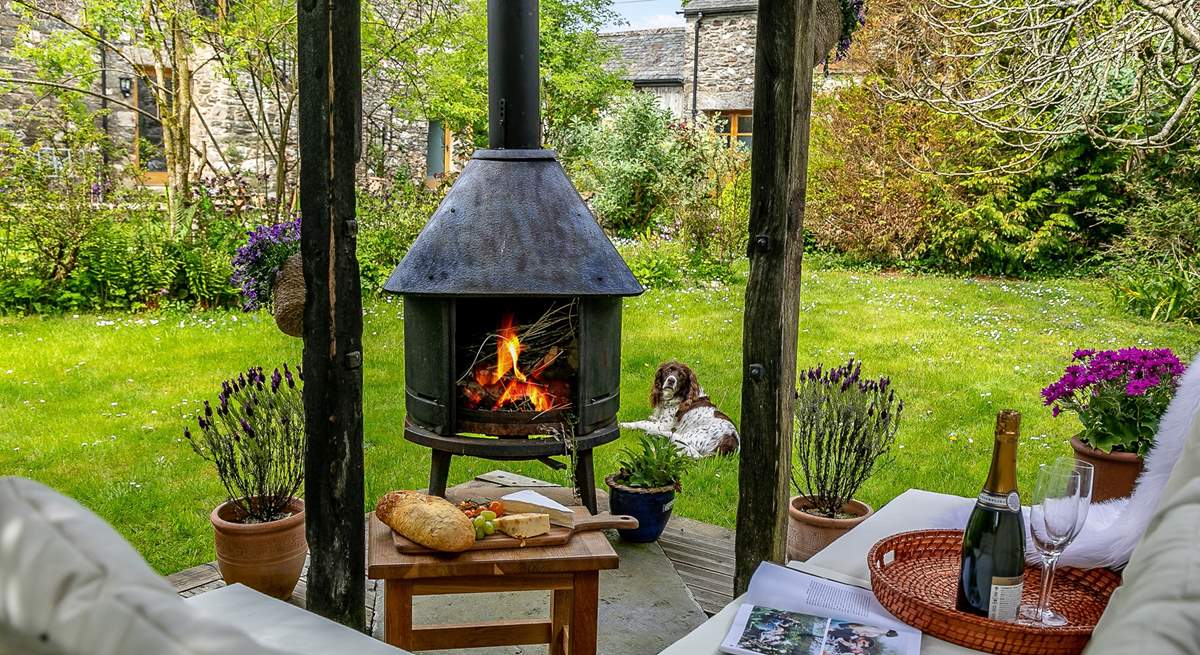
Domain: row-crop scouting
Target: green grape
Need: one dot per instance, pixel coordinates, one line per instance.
(479, 533)
(488, 515)
(489, 528)
(478, 521)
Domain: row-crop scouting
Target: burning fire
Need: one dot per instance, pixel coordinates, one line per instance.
(506, 381)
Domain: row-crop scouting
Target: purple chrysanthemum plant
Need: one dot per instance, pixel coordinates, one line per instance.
(256, 264)
(254, 436)
(1119, 395)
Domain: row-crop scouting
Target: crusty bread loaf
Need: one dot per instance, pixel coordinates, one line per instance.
(430, 521)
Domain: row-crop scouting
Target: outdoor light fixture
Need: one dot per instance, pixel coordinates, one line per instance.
(126, 86)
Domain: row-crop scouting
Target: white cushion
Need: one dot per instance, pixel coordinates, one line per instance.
(283, 625)
(71, 585)
(1157, 608)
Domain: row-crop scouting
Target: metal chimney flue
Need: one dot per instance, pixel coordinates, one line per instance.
(514, 113)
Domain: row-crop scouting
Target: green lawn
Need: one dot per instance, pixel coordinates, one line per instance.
(94, 405)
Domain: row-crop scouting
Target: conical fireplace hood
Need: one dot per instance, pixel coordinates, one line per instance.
(512, 224)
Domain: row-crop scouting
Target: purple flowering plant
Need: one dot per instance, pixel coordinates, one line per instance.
(845, 425)
(254, 436)
(1119, 395)
(256, 264)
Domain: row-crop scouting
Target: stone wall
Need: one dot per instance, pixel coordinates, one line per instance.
(726, 62)
(223, 119)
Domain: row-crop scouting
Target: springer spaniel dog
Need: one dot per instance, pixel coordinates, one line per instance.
(684, 414)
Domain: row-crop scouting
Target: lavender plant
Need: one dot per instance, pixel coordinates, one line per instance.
(1118, 395)
(255, 439)
(256, 263)
(844, 426)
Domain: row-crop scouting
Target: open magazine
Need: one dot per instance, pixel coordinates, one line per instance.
(789, 612)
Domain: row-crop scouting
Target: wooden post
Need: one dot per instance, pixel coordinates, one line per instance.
(330, 97)
(779, 164)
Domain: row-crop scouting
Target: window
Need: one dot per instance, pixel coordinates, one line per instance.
(148, 150)
(737, 127)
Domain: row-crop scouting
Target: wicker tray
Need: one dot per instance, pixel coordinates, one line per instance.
(915, 576)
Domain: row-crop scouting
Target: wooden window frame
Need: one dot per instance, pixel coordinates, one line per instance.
(734, 132)
(158, 178)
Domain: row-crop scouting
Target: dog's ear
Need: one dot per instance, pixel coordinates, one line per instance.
(656, 388)
(693, 384)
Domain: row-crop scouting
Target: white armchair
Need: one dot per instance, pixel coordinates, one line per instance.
(70, 585)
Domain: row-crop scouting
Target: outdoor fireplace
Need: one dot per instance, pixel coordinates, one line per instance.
(512, 293)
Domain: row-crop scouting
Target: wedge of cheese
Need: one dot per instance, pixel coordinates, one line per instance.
(532, 501)
(523, 526)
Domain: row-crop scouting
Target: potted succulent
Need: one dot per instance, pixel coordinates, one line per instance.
(1119, 396)
(269, 272)
(254, 436)
(645, 486)
(844, 425)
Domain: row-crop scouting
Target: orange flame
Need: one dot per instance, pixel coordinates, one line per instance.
(519, 385)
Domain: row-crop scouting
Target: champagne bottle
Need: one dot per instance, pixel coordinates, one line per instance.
(993, 551)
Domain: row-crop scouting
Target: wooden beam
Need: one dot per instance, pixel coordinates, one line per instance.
(330, 104)
(783, 62)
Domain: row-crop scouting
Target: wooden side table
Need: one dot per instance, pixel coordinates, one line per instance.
(571, 573)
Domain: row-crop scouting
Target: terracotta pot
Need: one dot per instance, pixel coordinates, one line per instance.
(1114, 474)
(267, 557)
(809, 533)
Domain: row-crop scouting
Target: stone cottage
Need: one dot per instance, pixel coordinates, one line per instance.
(707, 66)
(221, 120)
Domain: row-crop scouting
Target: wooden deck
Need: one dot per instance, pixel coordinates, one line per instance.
(703, 557)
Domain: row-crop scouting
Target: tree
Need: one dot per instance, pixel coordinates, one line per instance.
(1035, 71)
(429, 60)
(163, 28)
(254, 44)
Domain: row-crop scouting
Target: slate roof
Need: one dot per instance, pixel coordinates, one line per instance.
(719, 6)
(654, 55)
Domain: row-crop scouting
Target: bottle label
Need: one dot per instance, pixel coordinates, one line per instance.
(1004, 600)
(1009, 502)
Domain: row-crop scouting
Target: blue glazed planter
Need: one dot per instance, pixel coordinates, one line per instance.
(651, 507)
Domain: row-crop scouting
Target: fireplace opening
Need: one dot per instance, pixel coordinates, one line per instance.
(518, 363)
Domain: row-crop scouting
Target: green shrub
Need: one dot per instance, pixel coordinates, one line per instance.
(711, 201)
(1043, 220)
(389, 219)
(628, 164)
(896, 183)
(664, 264)
(867, 197)
(1155, 265)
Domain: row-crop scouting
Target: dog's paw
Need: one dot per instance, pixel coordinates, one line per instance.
(627, 426)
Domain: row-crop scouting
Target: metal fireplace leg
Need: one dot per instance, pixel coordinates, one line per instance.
(585, 479)
(439, 472)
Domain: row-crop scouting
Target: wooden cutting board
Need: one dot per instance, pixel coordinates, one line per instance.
(557, 536)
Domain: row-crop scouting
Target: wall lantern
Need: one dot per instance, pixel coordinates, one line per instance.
(126, 86)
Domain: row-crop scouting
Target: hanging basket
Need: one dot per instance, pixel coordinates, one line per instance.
(288, 297)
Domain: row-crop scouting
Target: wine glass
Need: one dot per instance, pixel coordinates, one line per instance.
(1060, 504)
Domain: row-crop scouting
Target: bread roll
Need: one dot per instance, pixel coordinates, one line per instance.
(430, 521)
